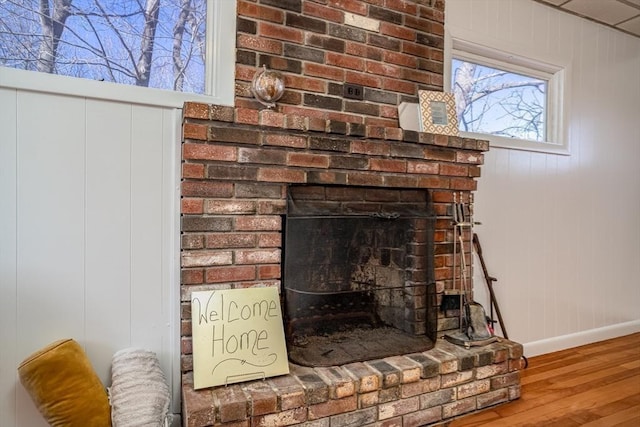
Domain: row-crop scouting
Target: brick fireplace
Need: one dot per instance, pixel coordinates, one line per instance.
(346, 157)
(236, 180)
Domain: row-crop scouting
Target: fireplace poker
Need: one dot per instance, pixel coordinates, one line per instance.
(489, 280)
(455, 246)
(465, 297)
(492, 295)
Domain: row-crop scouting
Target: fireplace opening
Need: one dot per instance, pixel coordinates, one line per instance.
(358, 278)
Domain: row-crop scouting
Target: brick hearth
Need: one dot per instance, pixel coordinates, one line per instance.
(409, 391)
(236, 167)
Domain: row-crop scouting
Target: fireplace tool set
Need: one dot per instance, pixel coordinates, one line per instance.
(492, 295)
(474, 324)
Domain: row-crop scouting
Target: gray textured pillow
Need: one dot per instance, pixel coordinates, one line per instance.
(139, 393)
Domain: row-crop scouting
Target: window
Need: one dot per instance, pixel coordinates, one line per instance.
(513, 101)
(172, 45)
(499, 102)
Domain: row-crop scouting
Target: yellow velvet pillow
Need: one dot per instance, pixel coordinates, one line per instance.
(64, 386)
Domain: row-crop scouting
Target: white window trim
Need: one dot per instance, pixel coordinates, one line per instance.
(220, 72)
(488, 52)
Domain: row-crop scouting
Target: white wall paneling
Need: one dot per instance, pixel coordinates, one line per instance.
(8, 255)
(88, 232)
(89, 220)
(562, 233)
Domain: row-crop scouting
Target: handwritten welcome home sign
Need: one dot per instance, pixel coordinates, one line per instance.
(237, 336)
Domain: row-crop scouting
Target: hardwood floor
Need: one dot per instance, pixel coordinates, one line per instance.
(597, 385)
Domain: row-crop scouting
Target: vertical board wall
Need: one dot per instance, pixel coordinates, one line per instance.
(562, 232)
(88, 234)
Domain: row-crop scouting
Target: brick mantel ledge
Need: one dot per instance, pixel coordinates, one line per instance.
(269, 118)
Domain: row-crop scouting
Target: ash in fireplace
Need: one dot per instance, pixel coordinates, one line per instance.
(355, 345)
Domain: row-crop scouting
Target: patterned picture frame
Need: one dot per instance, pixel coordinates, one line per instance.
(438, 113)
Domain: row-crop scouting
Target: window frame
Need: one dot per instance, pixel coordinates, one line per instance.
(219, 72)
(556, 139)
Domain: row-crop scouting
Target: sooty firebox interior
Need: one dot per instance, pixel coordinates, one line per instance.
(358, 274)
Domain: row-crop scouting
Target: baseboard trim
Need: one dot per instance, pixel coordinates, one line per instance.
(563, 342)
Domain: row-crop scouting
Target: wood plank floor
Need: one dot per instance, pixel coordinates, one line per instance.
(597, 385)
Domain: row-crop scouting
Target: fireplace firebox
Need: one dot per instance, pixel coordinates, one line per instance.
(358, 274)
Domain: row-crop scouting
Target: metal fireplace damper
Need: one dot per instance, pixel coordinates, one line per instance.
(358, 279)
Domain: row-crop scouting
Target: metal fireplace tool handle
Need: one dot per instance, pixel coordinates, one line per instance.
(473, 327)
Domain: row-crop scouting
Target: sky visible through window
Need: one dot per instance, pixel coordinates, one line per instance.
(497, 102)
(150, 43)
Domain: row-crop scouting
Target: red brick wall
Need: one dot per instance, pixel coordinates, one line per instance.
(392, 48)
(235, 171)
(234, 185)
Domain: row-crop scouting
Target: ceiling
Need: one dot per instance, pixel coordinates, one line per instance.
(623, 15)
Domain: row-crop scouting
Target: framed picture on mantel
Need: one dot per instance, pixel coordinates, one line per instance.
(438, 112)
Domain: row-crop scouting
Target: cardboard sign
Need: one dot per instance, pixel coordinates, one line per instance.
(237, 336)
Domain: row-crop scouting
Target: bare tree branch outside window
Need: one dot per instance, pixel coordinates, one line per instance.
(498, 102)
(150, 43)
